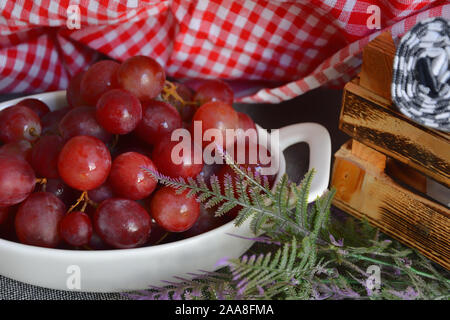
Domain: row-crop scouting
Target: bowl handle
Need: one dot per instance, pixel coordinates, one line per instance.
(318, 139)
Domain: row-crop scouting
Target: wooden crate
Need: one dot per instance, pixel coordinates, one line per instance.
(382, 174)
(372, 120)
(369, 116)
(367, 192)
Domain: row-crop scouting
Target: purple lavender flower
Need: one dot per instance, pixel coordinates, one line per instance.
(223, 262)
(408, 294)
(338, 243)
(260, 290)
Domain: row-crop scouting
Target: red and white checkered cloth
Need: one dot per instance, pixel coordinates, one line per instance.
(303, 44)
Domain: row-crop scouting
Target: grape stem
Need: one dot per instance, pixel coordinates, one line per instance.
(162, 238)
(32, 132)
(115, 141)
(170, 90)
(83, 198)
(43, 182)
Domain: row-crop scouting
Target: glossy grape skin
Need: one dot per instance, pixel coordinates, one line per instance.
(84, 163)
(157, 236)
(44, 157)
(96, 243)
(245, 122)
(214, 90)
(75, 228)
(19, 123)
(217, 115)
(7, 227)
(3, 214)
(39, 107)
(128, 177)
(102, 193)
(61, 190)
(118, 111)
(249, 161)
(99, 78)
(73, 92)
(129, 143)
(174, 212)
(82, 121)
(184, 92)
(38, 218)
(186, 111)
(162, 157)
(142, 76)
(122, 223)
(158, 120)
(20, 148)
(209, 170)
(50, 122)
(247, 164)
(17, 180)
(205, 222)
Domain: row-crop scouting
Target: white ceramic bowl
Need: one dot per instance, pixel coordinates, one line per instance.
(134, 269)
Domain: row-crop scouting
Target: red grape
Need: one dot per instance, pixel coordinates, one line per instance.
(19, 123)
(184, 92)
(209, 170)
(73, 93)
(129, 143)
(84, 163)
(167, 164)
(245, 122)
(39, 107)
(81, 121)
(99, 78)
(214, 90)
(96, 243)
(128, 177)
(118, 111)
(37, 220)
(158, 120)
(122, 223)
(101, 193)
(206, 222)
(50, 122)
(217, 115)
(157, 236)
(3, 214)
(7, 228)
(142, 76)
(174, 212)
(57, 187)
(17, 180)
(44, 157)
(186, 110)
(75, 228)
(20, 148)
(250, 159)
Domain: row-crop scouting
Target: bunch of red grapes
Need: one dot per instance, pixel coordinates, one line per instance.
(77, 177)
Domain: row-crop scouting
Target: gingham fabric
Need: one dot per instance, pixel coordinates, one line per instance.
(301, 44)
(421, 75)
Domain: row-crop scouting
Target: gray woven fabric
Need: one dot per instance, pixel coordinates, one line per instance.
(421, 74)
(15, 290)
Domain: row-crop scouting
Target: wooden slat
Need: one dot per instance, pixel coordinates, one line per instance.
(378, 60)
(372, 120)
(365, 192)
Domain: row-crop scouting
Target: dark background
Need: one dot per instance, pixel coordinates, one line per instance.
(320, 105)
